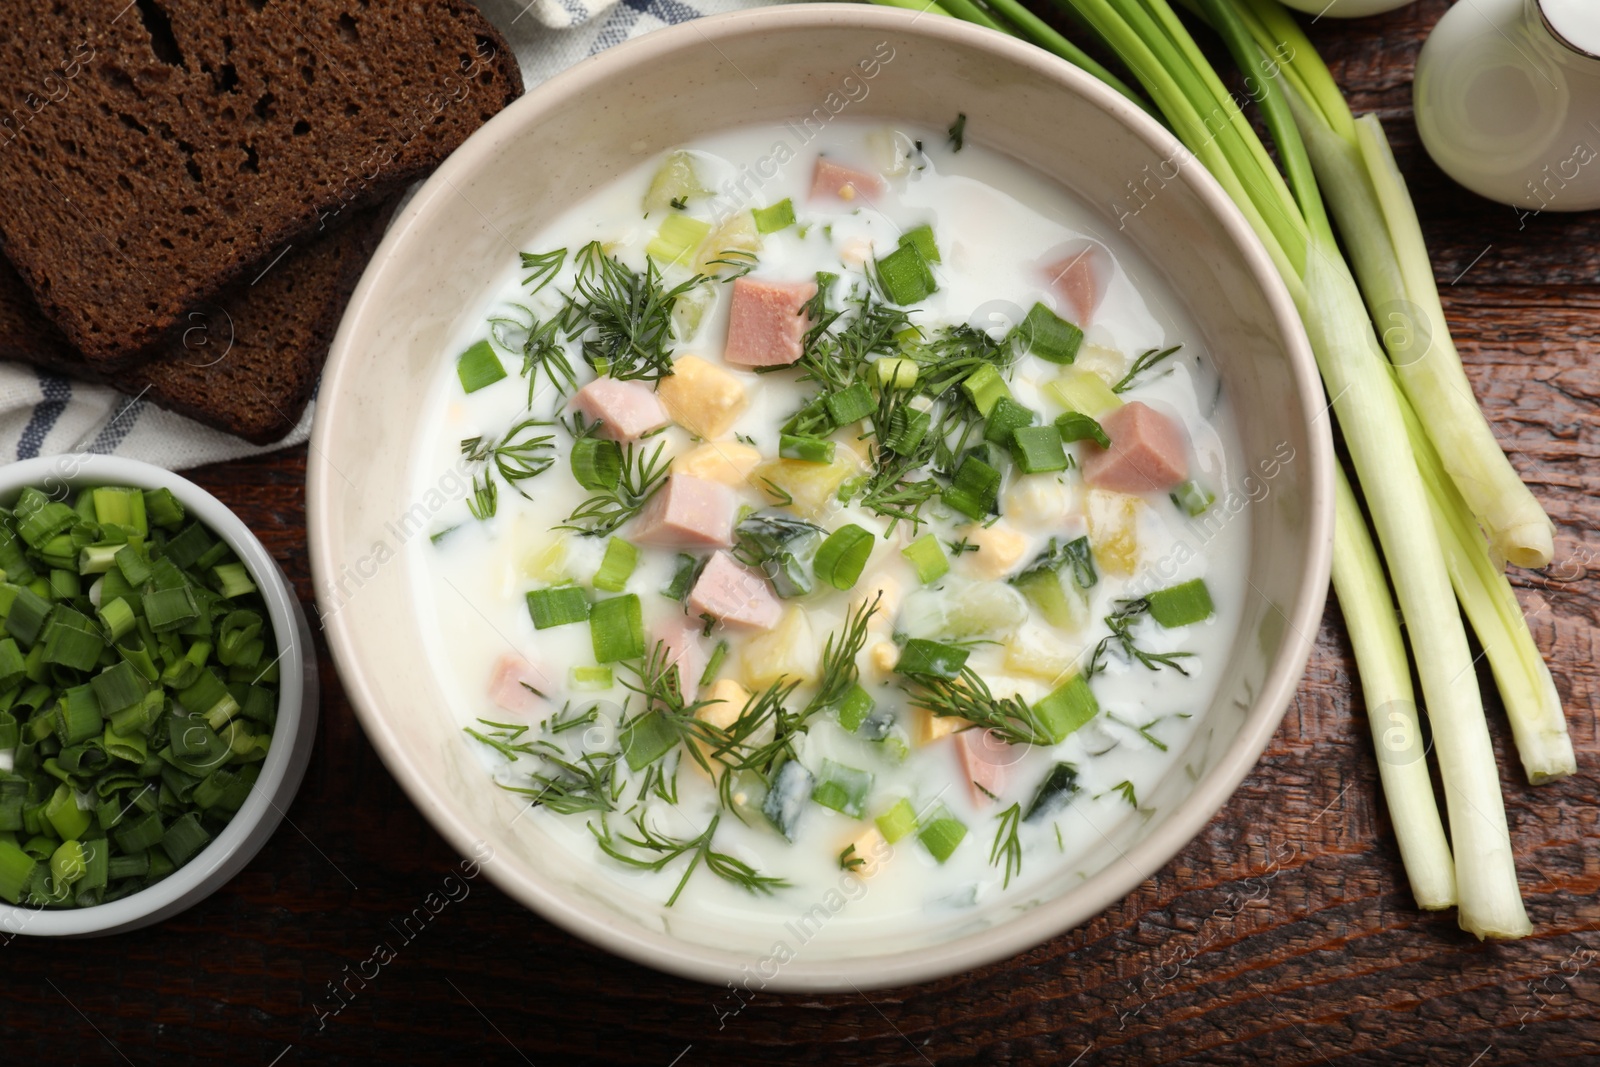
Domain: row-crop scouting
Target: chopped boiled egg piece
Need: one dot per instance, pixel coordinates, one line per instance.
(1114, 529)
(701, 397)
(869, 848)
(728, 462)
(788, 650)
(1001, 549)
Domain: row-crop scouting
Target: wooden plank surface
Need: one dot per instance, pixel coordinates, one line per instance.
(1284, 934)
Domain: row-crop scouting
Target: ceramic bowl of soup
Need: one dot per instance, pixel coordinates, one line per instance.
(820, 498)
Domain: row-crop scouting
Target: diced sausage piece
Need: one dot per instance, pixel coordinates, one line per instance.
(985, 762)
(1148, 452)
(734, 595)
(1079, 278)
(688, 512)
(629, 409)
(682, 647)
(514, 683)
(766, 322)
(834, 180)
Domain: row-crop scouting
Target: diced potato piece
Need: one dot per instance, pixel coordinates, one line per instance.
(814, 486)
(676, 179)
(1108, 363)
(1000, 549)
(884, 655)
(892, 151)
(1085, 391)
(931, 727)
(1038, 500)
(688, 310)
(548, 563)
(868, 846)
(788, 650)
(1042, 653)
(702, 397)
(723, 703)
(737, 235)
(1114, 529)
(728, 462)
(885, 589)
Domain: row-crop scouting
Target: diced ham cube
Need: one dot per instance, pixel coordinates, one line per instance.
(734, 595)
(1079, 279)
(629, 409)
(834, 180)
(1149, 452)
(683, 647)
(514, 683)
(986, 762)
(688, 512)
(766, 322)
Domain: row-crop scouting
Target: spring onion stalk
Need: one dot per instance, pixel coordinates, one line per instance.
(1391, 705)
(1291, 221)
(1532, 703)
(1378, 221)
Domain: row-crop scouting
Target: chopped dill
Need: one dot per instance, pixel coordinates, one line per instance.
(698, 849)
(1006, 845)
(1145, 361)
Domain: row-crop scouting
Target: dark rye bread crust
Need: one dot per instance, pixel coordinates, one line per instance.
(154, 153)
(248, 362)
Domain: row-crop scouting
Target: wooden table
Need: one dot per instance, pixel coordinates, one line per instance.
(1328, 962)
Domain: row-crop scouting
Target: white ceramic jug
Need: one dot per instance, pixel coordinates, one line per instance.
(1507, 96)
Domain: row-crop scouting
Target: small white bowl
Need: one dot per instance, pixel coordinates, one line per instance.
(292, 735)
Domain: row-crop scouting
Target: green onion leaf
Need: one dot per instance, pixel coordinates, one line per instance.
(478, 366)
(615, 569)
(927, 557)
(1047, 335)
(843, 555)
(557, 606)
(616, 629)
(1038, 449)
(922, 657)
(1181, 605)
(1076, 426)
(775, 217)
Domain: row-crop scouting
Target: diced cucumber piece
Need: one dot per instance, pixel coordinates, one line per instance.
(1053, 793)
(786, 799)
(675, 183)
(1045, 591)
(1193, 498)
(844, 789)
(984, 387)
(591, 679)
(1181, 605)
(927, 558)
(677, 238)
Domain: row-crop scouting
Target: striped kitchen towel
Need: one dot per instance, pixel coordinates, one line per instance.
(45, 414)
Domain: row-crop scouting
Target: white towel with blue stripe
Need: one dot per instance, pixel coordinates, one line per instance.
(46, 414)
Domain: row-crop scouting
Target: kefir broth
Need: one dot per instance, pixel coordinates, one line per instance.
(996, 224)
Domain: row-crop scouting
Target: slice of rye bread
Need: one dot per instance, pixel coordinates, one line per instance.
(153, 153)
(246, 363)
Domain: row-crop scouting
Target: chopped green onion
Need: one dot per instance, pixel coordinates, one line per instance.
(1005, 418)
(162, 508)
(97, 559)
(233, 580)
(843, 555)
(808, 449)
(984, 387)
(1047, 335)
(1038, 449)
(122, 506)
(1191, 497)
(975, 488)
(895, 372)
(12, 666)
(1085, 392)
(168, 609)
(67, 863)
(646, 739)
(27, 615)
(67, 644)
(940, 833)
(907, 427)
(16, 872)
(855, 707)
(685, 572)
(478, 367)
(140, 834)
(617, 566)
(616, 629)
(557, 606)
(184, 838)
(774, 217)
(40, 519)
(64, 815)
(844, 789)
(905, 277)
(931, 659)
(597, 463)
(927, 558)
(1181, 605)
(898, 821)
(134, 565)
(591, 679)
(1076, 426)
(117, 687)
(921, 238)
(1069, 706)
(714, 663)
(850, 405)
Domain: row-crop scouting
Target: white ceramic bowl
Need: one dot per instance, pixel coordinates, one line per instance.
(292, 736)
(581, 129)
